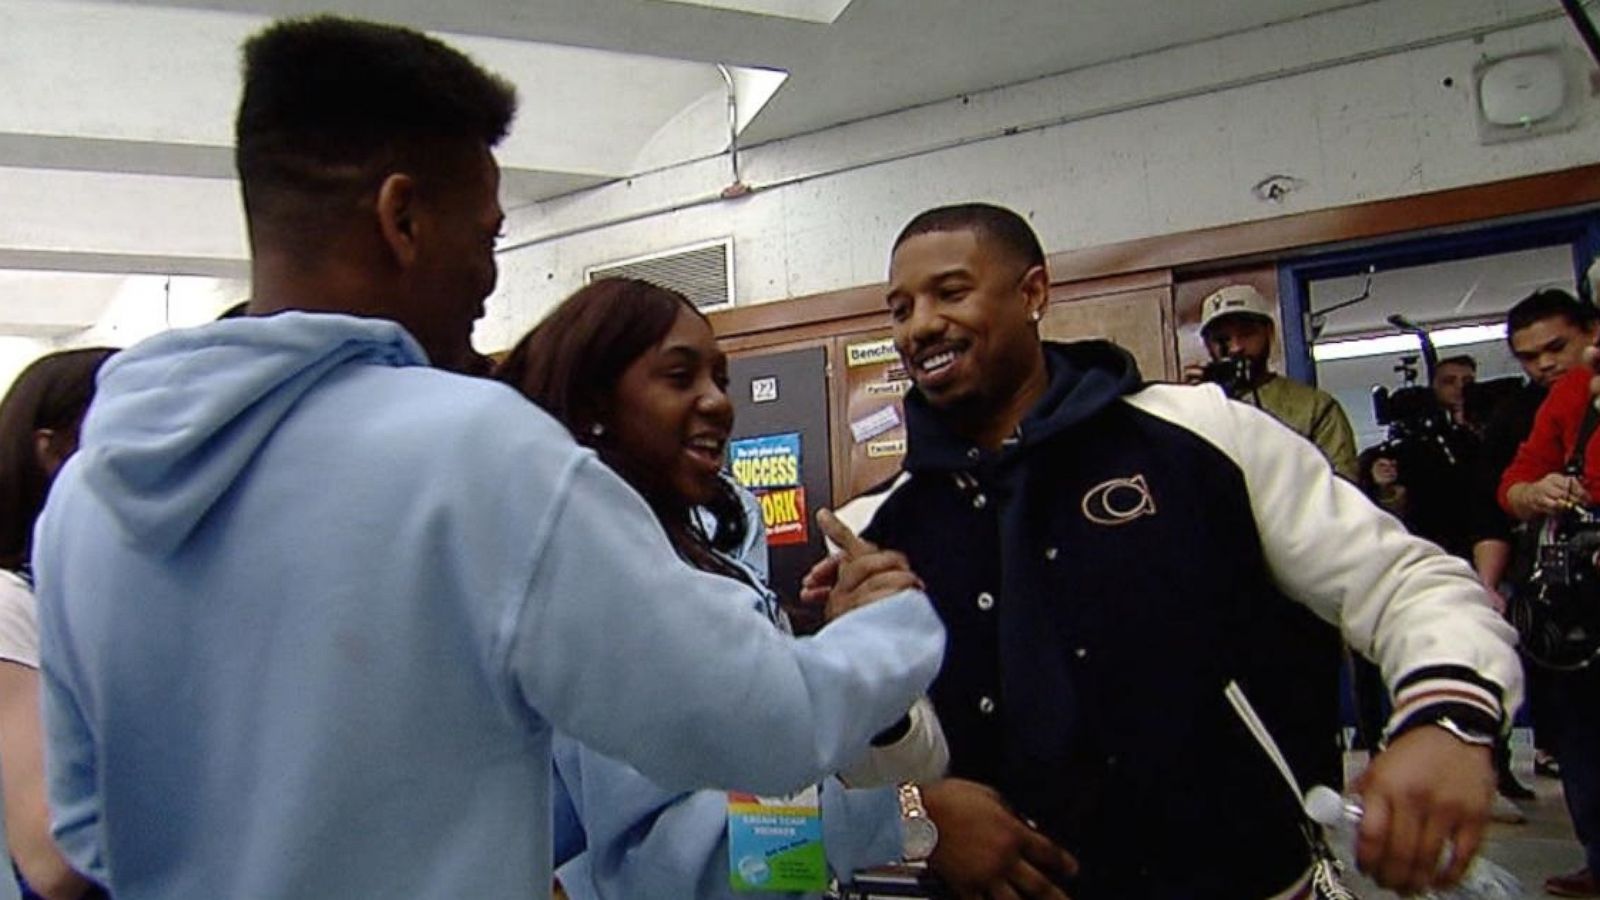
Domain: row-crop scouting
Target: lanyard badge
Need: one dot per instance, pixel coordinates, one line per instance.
(775, 843)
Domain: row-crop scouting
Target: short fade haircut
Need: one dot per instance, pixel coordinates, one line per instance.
(995, 223)
(1546, 303)
(331, 106)
(1459, 360)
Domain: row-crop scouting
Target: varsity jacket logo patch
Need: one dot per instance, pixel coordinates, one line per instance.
(1119, 501)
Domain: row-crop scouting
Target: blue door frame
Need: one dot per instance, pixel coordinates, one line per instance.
(1580, 231)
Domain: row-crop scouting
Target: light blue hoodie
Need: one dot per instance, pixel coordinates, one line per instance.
(309, 610)
(640, 842)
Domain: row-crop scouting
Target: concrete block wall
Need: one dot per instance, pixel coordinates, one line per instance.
(1367, 102)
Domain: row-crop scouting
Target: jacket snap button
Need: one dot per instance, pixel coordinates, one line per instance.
(986, 706)
(980, 501)
(986, 601)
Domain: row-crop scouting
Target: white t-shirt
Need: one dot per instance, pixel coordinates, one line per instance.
(19, 621)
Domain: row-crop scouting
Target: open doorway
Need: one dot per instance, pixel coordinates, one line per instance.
(1339, 307)
(1462, 303)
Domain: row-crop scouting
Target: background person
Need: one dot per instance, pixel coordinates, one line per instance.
(1237, 327)
(1547, 331)
(1453, 376)
(39, 422)
(1534, 487)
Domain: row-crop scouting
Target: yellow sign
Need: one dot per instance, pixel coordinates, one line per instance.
(767, 471)
(870, 353)
(880, 449)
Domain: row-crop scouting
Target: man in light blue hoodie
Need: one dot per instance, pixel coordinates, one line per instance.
(310, 609)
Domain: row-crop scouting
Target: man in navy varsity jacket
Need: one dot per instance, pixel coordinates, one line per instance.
(1108, 556)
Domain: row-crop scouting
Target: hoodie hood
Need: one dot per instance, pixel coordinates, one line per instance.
(178, 417)
(1085, 378)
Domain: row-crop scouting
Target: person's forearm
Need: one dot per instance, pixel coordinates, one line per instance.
(51, 877)
(1490, 558)
(1518, 501)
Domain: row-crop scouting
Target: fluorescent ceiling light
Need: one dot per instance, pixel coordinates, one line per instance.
(1406, 343)
(820, 11)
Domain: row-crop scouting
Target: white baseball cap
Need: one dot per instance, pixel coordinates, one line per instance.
(1234, 300)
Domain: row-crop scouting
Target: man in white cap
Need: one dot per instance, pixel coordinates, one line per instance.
(1237, 326)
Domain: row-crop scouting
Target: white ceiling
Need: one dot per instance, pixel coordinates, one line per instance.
(1461, 291)
(115, 117)
(879, 55)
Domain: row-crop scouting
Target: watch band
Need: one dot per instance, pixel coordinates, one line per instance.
(911, 801)
(1464, 735)
(919, 835)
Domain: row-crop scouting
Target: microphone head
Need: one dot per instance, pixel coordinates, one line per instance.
(1324, 805)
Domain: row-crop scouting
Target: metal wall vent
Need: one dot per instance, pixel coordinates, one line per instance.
(701, 272)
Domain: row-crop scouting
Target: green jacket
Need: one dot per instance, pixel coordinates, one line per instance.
(1314, 414)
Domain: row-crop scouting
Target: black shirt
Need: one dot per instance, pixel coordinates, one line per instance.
(1508, 427)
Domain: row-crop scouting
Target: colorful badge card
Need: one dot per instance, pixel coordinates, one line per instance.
(775, 843)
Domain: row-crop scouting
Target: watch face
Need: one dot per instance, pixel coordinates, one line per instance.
(919, 835)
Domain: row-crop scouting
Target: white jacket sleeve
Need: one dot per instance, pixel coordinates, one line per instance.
(1401, 601)
(920, 755)
(631, 651)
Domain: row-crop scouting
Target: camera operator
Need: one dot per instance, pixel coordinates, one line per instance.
(1428, 463)
(1547, 332)
(1555, 476)
(1423, 475)
(1452, 379)
(1237, 326)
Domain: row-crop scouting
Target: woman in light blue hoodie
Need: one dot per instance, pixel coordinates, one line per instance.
(634, 371)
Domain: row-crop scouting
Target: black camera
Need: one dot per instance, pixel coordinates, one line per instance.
(1232, 373)
(1414, 417)
(1568, 559)
(1558, 616)
(1409, 412)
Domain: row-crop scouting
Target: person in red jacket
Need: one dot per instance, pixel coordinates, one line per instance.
(1536, 485)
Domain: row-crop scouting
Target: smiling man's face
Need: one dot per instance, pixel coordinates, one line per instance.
(963, 318)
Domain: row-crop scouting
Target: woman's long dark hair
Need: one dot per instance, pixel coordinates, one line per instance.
(570, 364)
(53, 392)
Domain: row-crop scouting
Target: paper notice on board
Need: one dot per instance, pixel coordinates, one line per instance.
(870, 353)
(764, 390)
(881, 449)
(869, 427)
(887, 388)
